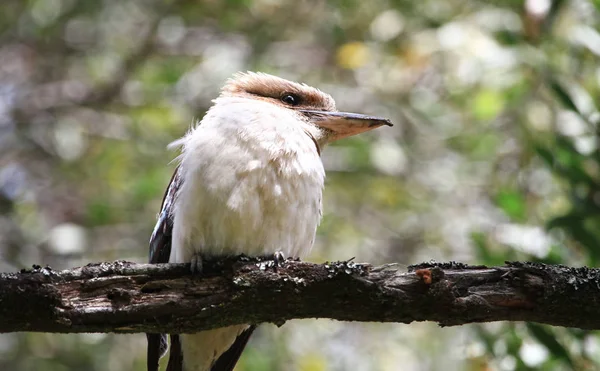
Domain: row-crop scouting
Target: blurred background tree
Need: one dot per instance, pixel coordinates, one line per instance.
(494, 155)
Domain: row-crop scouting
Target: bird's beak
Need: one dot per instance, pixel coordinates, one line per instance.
(344, 124)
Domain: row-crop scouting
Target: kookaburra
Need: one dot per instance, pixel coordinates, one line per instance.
(249, 181)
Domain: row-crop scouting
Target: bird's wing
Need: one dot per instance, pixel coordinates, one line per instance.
(160, 242)
(227, 360)
(160, 250)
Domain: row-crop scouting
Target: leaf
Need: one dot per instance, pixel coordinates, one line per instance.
(545, 155)
(512, 203)
(562, 95)
(566, 161)
(566, 221)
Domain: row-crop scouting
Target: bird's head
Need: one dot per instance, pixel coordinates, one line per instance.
(314, 109)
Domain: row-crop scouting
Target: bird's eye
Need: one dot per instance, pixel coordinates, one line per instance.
(291, 99)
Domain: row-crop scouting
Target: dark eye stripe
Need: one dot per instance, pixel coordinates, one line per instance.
(290, 99)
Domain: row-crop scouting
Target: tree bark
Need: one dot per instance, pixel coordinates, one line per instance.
(126, 297)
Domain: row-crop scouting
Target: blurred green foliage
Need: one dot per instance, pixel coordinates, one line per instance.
(494, 155)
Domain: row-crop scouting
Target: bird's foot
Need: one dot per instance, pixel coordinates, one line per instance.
(278, 259)
(275, 260)
(196, 264)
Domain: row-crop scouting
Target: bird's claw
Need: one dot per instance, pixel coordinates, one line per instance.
(196, 264)
(278, 260)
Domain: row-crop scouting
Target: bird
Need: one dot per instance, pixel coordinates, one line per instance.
(249, 181)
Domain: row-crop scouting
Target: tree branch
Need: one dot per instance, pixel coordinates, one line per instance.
(127, 297)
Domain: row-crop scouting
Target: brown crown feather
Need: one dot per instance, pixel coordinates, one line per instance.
(273, 88)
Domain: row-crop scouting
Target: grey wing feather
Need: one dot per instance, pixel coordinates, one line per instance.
(160, 250)
(160, 242)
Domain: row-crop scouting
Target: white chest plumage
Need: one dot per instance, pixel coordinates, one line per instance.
(246, 189)
(249, 186)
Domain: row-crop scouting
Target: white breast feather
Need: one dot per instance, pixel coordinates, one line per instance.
(252, 184)
(249, 186)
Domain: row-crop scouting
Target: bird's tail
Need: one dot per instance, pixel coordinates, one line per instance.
(157, 347)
